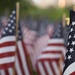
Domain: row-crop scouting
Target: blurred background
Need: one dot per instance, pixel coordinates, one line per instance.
(41, 21)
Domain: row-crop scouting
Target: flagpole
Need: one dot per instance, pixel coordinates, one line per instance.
(17, 22)
(17, 19)
(63, 20)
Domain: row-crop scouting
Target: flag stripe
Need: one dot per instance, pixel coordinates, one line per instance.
(7, 60)
(55, 44)
(7, 39)
(55, 66)
(50, 55)
(48, 68)
(23, 58)
(41, 69)
(6, 65)
(9, 54)
(58, 41)
(19, 62)
(7, 49)
(5, 44)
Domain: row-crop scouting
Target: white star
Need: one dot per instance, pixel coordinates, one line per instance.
(9, 25)
(10, 16)
(12, 21)
(74, 36)
(69, 36)
(10, 30)
(14, 18)
(68, 43)
(73, 23)
(69, 57)
(6, 28)
(13, 12)
(13, 27)
(4, 32)
(73, 43)
(66, 50)
(71, 29)
(71, 50)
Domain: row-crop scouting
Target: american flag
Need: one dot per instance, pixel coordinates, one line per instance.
(7, 43)
(69, 68)
(49, 61)
(21, 61)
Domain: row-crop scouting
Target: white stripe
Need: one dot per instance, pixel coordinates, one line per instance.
(58, 41)
(49, 70)
(2, 72)
(41, 69)
(17, 66)
(23, 58)
(55, 48)
(7, 39)
(6, 60)
(11, 71)
(7, 49)
(70, 69)
(50, 56)
(55, 67)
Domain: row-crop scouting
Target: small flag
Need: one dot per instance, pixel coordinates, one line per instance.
(48, 61)
(7, 43)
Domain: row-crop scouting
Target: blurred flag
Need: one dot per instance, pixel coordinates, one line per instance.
(7, 43)
(48, 62)
(69, 68)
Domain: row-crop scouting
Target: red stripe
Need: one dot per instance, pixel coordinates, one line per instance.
(55, 44)
(37, 69)
(54, 52)
(48, 59)
(5, 66)
(44, 68)
(52, 68)
(9, 54)
(26, 55)
(72, 73)
(5, 44)
(6, 72)
(20, 62)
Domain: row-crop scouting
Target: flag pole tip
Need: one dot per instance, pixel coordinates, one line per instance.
(67, 21)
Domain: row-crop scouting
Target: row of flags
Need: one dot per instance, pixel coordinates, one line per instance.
(13, 53)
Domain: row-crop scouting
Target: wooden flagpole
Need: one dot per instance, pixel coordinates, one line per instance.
(17, 22)
(17, 18)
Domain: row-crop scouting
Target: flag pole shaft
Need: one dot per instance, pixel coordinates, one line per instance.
(17, 21)
(63, 20)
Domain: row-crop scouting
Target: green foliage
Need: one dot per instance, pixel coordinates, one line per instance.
(27, 9)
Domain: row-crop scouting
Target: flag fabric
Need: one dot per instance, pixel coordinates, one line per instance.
(69, 68)
(7, 43)
(48, 62)
(21, 63)
(69, 57)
